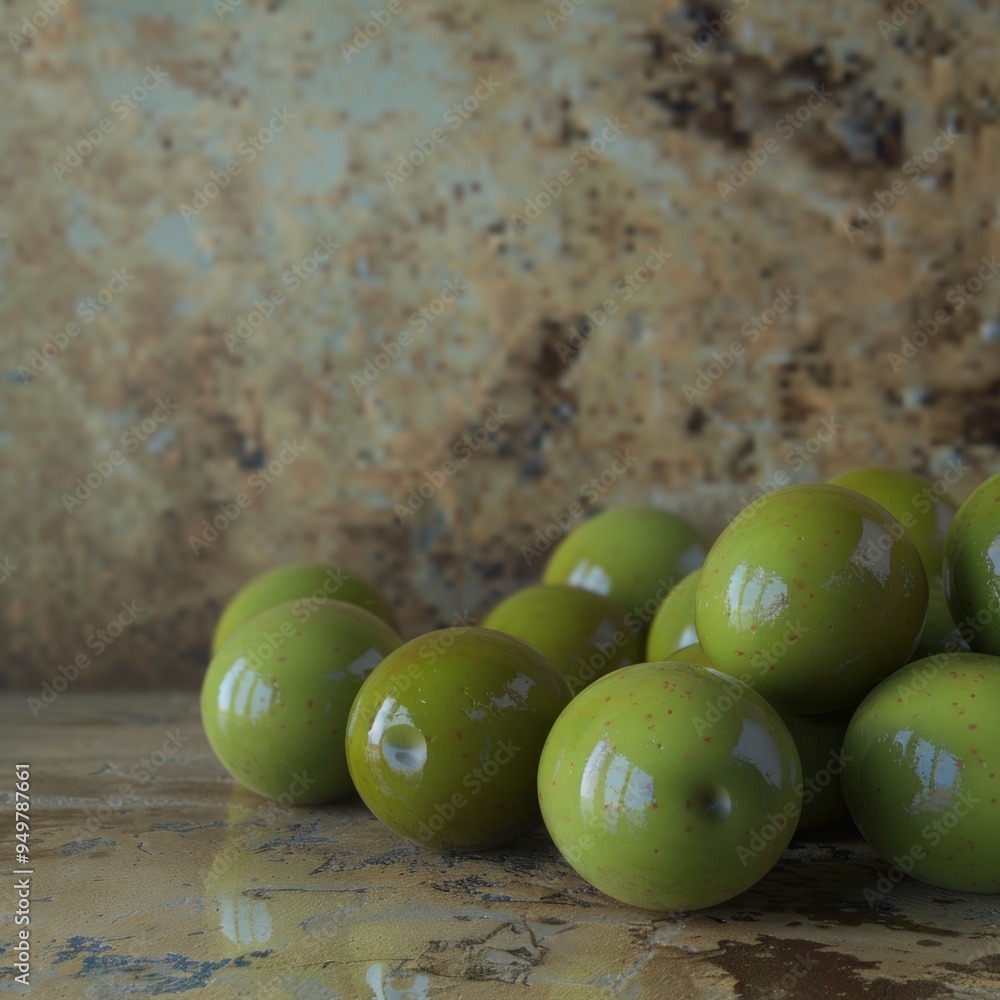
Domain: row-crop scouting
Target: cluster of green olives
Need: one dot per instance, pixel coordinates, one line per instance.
(672, 710)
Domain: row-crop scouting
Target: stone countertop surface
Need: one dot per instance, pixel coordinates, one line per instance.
(155, 874)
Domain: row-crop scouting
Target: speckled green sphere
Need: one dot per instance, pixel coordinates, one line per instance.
(308, 582)
(923, 508)
(584, 634)
(276, 696)
(634, 555)
(922, 779)
(658, 807)
(444, 736)
(811, 595)
(972, 567)
(673, 627)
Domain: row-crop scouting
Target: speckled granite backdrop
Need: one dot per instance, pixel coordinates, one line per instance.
(280, 265)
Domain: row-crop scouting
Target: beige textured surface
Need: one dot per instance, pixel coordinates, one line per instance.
(183, 883)
(686, 114)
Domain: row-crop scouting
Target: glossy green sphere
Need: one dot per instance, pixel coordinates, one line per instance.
(584, 634)
(922, 774)
(920, 506)
(972, 567)
(634, 555)
(811, 595)
(276, 696)
(657, 806)
(444, 736)
(309, 582)
(673, 627)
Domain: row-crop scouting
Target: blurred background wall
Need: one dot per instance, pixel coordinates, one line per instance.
(397, 284)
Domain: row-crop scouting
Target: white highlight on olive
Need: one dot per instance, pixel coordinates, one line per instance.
(590, 576)
(758, 748)
(755, 595)
(404, 748)
(874, 551)
(365, 663)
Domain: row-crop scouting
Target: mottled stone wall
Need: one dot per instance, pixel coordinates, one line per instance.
(240, 162)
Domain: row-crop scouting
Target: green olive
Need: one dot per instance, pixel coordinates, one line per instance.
(444, 736)
(922, 774)
(673, 627)
(584, 634)
(276, 696)
(634, 555)
(913, 501)
(812, 595)
(658, 807)
(310, 582)
(972, 567)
